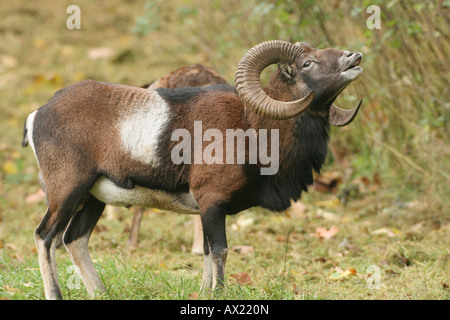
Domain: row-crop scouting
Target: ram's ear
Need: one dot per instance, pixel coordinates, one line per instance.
(287, 71)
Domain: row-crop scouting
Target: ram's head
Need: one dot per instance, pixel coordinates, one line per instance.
(310, 77)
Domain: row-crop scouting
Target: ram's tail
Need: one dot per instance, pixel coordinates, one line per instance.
(28, 130)
(25, 134)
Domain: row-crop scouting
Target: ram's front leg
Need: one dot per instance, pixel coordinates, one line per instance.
(215, 247)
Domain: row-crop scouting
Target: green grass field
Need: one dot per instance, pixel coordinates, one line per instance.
(386, 223)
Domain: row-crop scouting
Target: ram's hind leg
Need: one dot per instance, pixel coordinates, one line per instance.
(45, 238)
(76, 240)
(60, 210)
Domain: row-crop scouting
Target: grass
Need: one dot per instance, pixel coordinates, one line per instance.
(392, 211)
(413, 261)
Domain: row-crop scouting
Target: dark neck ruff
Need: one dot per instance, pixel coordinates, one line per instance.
(297, 162)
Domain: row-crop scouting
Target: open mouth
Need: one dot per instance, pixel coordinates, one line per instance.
(355, 62)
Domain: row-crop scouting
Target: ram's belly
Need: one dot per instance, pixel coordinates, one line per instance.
(108, 192)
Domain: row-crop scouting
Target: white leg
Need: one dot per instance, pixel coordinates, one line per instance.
(47, 265)
(197, 245)
(79, 253)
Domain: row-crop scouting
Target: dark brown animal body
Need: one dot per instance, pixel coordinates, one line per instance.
(100, 143)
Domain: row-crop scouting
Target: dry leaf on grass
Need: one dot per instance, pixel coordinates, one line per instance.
(8, 61)
(11, 246)
(100, 53)
(35, 197)
(242, 278)
(326, 215)
(242, 222)
(243, 249)
(330, 203)
(328, 181)
(296, 290)
(297, 209)
(390, 232)
(341, 274)
(10, 289)
(10, 167)
(323, 233)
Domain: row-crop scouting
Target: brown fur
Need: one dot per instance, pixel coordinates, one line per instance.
(189, 76)
(77, 140)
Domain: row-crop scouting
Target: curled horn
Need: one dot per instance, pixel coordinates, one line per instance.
(248, 85)
(341, 117)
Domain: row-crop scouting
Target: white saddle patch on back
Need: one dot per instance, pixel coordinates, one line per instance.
(141, 127)
(108, 192)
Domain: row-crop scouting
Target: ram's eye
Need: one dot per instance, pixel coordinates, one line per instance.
(307, 64)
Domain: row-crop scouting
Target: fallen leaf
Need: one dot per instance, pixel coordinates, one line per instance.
(50, 78)
(365, 180)
(363, 184)
(328, 181)
(284, 238)
(297, 209)
(323, 233)
(66, 51)
(242, 278)
(387, 231)
(327, 215)
(389, 274)
(245, 222)
(296, 290)
(35, 197)
(100, 53)
(193, 295)
(15, 154)
(242, 222)
(10, 167)
(331, 203)
(341, 274)
(351, 271)
(8, 61)
(349, 246)
(39, 42)
(4, 146)
(11, 246)
(162, 265)
(416, 205)
(277, 219)
(101, 228)
(243, 249)
(19, 258)
(10, 289)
